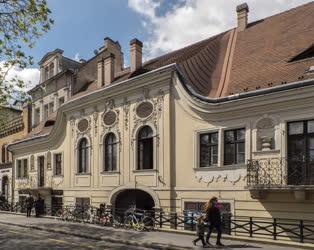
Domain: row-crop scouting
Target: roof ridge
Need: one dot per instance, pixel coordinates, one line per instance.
(185, 47)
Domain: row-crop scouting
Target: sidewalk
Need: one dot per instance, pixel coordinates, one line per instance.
(153, 240)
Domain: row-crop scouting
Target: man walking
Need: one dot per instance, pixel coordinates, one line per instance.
(29, 205)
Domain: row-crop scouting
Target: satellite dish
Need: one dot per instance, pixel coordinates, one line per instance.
(95, 51)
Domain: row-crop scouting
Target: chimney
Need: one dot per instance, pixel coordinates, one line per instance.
(242, 11)
(136, 54)
(109, 67)
(27, 117)
(100, 73)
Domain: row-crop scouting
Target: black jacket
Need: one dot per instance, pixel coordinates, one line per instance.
(213, 216)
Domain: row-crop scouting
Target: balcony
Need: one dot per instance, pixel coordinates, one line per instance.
(267, 174)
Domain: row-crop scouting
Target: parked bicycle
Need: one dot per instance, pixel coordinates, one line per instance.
(138, 220)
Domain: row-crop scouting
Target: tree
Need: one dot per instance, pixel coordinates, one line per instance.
(22, 22)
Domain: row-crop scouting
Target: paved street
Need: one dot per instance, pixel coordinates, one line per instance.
(12, 237)
(65, 235)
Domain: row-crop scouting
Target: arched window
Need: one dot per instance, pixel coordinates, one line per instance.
(145, 148)
(110, 152)
(83, 156)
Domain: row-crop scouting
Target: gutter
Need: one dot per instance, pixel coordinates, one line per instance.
(275, 89)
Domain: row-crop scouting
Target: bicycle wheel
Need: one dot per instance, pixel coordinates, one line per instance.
(148, 224)
(116, 223)
(128, 222)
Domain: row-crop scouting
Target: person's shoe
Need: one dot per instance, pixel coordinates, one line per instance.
(208, 243)
(219, 244)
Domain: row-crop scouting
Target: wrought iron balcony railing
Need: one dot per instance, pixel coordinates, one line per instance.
(280, 172)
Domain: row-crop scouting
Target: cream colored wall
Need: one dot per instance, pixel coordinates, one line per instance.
(98, 185)
(177, 121)
(229, 182)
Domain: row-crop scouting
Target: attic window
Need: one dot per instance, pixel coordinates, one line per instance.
(308, 53)
(49, 123)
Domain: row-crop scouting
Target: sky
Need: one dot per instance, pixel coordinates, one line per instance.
(162, 25)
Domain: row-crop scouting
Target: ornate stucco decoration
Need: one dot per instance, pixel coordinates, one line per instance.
(30, 182)
(147, 111)
(95, 119)
(53, 181)
(82, 127)
(232, 176)
(126, 111)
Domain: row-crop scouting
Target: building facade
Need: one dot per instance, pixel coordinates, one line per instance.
(15, 127)
(230, 116)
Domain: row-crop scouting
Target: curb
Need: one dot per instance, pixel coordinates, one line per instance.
(247, 239)
(98, 238)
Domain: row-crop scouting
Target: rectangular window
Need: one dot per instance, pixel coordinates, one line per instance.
(301, 152)
(234, 146)
(208, 149)
(19, 169)
(37, 116)
(46, 112)
(51, 107)
(82, 202)
(22, 168)
(58, 164)
(25, 168)
(61, 101)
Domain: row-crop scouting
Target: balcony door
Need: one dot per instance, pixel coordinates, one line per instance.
(301, 153)
(41, 171)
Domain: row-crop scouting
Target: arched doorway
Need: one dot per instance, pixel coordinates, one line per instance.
(5, 187)
(134, 197)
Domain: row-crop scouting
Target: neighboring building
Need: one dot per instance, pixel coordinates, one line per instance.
(15, 127)
(230, 116)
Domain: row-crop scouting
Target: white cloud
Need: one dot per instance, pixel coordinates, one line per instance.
(197, 19)
(77, 57)
(30, 76)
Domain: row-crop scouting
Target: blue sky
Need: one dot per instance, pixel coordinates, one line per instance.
(163, 25)
(81, 25)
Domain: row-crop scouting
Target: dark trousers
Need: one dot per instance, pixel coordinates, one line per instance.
(200, 237)
(210, 229)
(28, 212)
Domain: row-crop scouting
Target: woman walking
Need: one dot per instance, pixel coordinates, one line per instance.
(213, 217)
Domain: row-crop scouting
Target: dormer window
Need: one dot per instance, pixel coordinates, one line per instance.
(46, 77)
(306, 54)
(51, 70)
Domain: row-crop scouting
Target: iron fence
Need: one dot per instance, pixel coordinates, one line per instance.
(271, 228)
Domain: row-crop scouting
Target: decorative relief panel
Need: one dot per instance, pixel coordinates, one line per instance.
(147, 110)
(82, 126)
(232, 176)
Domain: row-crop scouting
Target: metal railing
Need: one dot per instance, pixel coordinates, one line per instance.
(279, 172)
(271, 228)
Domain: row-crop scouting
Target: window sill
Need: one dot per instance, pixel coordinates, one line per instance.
(22, 178)
(144, 170)
(110, 173)
(272, 151)
(221, 168)
(58, 176)
(80, 174)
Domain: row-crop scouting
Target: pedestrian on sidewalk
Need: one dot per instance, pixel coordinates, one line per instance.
(213, 218)
(29, 205)
(200, 231)
(38, 206)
